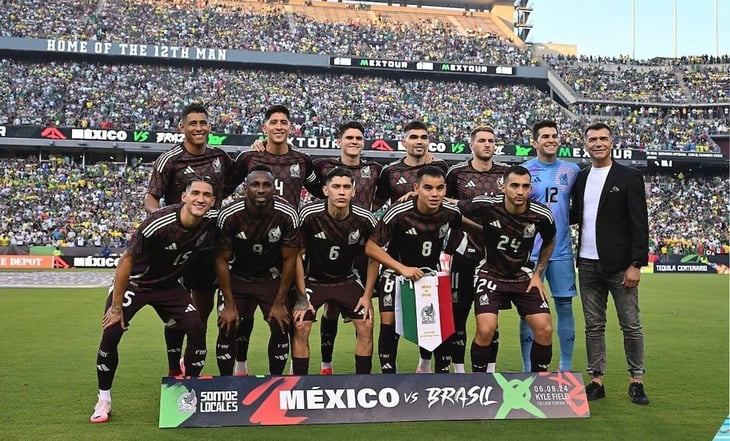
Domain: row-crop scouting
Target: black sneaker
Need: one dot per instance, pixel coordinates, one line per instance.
(637, 394)
(595, 391)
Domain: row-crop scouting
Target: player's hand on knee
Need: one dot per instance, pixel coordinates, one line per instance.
(228, 319)
(112, 316)
(364, 309)
(281, 315)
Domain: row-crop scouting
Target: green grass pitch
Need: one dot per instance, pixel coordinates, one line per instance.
(48, 379)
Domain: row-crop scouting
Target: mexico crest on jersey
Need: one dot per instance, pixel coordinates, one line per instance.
(444, 230)
(365, 172)
(294, 171)
(274, 234)
(217, 165)
(529, 231)
(353, 238)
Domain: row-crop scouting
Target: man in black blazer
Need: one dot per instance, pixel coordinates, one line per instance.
(609, 205)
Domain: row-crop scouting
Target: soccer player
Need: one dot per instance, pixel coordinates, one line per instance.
(509, 223)
(257, 237)
(552, 181)
(413, 232)
(395, 182)
(333, 233)
(147, 274)
(292, 170)
(351, 140)
(170, 173)
(476, 177)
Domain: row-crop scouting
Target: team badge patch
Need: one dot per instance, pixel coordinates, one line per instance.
(365, 172)
(529, 231)
(353, 238)
(274, 235)
(444, 230)
(294, 171)
(217, 166)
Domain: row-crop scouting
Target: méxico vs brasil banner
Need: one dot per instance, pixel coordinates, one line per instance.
(291, 400)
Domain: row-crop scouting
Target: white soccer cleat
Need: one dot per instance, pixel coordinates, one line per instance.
(102, 410)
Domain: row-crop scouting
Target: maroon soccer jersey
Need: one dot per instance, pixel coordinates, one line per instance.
(397, 178)
(332, 244)
(292, 171)
(256, 241)
(508, 237)
(366, 177)
(173, 169)
(161, 247)
(463, 181)
(413, 238)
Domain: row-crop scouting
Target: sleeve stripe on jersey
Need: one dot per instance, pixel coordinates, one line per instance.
(364, 213)
(396, 210)
(230, 210)
(212, 214)
(489, 199)
(312, 177)
(311, 209)
(157, 224)
(288, 210)
(165, 157)
(450, 206)
(456, 167)
(539, 209)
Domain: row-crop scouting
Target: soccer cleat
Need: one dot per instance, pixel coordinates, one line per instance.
(102, 410)
(595, 391)
(326, 371)
(637, 394)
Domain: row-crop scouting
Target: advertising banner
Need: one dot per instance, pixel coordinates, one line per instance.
(26, 262)
(292, 400)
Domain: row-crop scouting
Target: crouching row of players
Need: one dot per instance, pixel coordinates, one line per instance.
(264, 247)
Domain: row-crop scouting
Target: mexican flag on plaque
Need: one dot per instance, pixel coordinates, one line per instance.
(423, 310)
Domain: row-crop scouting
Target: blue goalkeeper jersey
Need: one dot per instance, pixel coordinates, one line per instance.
(551, 184)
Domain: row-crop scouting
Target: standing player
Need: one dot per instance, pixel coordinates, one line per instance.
(170, 173)
(396, 181)
(413, 232)
(147, 274)
(292, 170)
(257, 237)
(465, 180)
(552, 180)
(333, 234)
(351, 140)
(509, 223)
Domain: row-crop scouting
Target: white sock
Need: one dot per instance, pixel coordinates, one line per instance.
(491, 367)
(326, 365)
(459, 368)
(242, 367)
(424, 365)
(105, 395)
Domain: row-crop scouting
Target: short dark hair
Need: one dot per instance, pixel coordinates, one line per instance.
(415, 125)
(429, 170)
(515, 170)
(193, 108)
(541, 125)
(478, 129)
(276, 108)
(260, 168)
(598, 126)
(197, 178)
(349, 125)
(339, 172)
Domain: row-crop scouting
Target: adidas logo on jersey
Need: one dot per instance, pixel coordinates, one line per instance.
(470, 184)
(188, 170)
(320, 235)
(496, 224)
(241, 235)
(412, 232)
(171, 247)
(190, 308)
(544, 305)
(402, 180)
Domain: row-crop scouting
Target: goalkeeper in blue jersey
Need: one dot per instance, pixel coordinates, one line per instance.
(552, 179)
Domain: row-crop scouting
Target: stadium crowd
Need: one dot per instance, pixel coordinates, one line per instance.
(149, 97)
(270, 30)
(62, 203)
